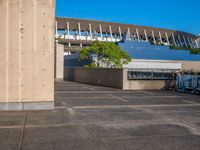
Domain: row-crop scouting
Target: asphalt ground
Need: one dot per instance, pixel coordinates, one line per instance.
(89, 117)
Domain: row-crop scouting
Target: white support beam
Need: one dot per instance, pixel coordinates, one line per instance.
(179, 39)
(129, 34)
(197, 45)
(79, 31)
(167, 38)
(90, 30)
(138, 35)
(160, 37)
(111, 36)
(153, 35)
(185, 43)
(146, 37)
(101, 34)
(174, 40)
(120, 33)
(191, 42)
(68, 30)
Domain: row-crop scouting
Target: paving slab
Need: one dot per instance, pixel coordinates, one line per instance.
(88, 117)
(10, 136)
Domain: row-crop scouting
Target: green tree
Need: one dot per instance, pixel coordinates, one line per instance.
(106, 53)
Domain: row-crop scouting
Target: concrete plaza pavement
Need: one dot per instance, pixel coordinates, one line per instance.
(89, 117)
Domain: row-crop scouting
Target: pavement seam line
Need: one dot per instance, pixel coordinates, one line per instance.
(193, 128)
(190, 102)
(119, 98)
(22, 133)
(132, 106)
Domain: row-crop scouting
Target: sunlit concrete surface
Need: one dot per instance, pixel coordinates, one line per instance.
(96, 118)
(27, 54)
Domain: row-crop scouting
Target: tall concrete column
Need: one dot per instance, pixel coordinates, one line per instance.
(174, 40)
(153, 35)
(138, 35)
(160, 35)
(59, 61)
(27, 29)
(120, 33)
(167, 38)
(146, 37)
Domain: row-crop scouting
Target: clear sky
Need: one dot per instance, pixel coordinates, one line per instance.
(182, 15)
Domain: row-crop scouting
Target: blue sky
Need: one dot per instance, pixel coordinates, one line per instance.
(183, 15)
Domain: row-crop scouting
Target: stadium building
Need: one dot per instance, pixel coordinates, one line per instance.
(157, 53)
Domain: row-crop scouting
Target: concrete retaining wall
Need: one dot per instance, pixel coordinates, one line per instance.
(116, 78)
(141, 84)
(101, 76)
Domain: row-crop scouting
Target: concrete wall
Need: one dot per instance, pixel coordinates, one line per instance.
(27, 54)
(191, 65)
(101, 76)
(116, 78)
(59, 61)
(141, 84)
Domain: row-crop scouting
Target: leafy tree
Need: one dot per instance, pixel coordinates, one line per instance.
(107, 54)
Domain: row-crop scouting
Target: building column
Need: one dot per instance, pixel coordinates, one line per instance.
(138, 35)
(186, 45)
(111, 36)
(79, 31)
(179, 38)
(120, 33)
(197, 45)
(59, 61)
(191, 42)
(153, 35)
(145, 33)
(128, 34)
(174, 40)
(90, 28)
(68, 30)
(167, 38)
(160, 37)
(27, 72)
(101, 34)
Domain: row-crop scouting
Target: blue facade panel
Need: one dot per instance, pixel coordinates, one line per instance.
(144, 50)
